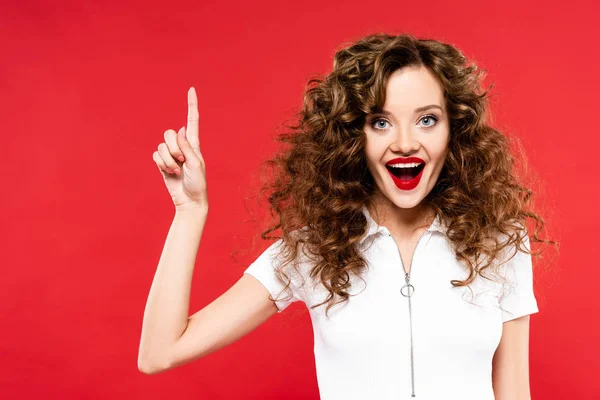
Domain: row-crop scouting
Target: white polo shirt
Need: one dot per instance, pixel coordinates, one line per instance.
(363, 350)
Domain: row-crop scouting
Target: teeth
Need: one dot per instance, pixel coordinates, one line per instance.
(407, 165)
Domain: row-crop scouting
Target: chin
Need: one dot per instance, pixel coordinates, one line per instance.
(402, 199)
(406, 203)
(405, 198)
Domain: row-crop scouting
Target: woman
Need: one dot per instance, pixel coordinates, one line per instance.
(403, 231)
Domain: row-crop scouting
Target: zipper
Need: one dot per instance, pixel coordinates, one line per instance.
(407, 290)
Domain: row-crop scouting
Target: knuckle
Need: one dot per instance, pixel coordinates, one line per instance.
(174, 150)
(169, 133)
(159, 162)
(166, 157)
(171, 145)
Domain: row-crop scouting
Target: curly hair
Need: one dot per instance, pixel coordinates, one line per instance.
(321, 180)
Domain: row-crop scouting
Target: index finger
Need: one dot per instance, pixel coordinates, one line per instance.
(193, 119)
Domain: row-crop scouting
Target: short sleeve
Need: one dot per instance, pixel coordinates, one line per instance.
(263, 269)
(518, 298)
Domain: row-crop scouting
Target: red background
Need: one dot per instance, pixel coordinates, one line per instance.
(87, 90)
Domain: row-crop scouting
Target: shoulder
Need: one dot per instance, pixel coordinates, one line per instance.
(515, 267)
(294, 257)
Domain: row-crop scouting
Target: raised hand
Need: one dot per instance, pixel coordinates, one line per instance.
(181, 164)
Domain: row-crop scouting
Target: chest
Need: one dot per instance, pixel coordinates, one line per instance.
(379, 341)
(406, 250)
(377, 317)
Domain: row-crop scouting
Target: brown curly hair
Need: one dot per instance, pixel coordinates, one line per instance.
(321, 180)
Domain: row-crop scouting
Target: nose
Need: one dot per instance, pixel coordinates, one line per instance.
(405, 142)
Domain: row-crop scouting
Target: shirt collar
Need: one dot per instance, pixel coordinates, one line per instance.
(373, 227)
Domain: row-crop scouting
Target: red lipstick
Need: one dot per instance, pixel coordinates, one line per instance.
(412, 182)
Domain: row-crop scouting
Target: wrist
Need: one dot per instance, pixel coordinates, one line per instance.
(196, 210)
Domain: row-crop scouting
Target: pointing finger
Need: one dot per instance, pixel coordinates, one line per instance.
(193, 120)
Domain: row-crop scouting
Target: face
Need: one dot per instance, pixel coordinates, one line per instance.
(406, 145)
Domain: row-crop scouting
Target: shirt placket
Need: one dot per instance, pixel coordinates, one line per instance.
(407, 290)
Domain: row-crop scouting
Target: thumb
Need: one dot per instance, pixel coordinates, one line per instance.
(185, 146)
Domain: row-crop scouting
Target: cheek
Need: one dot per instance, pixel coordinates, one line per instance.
(440, 156)
(372, 152)
(438, 150)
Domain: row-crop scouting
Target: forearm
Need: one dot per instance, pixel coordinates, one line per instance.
(167, 307)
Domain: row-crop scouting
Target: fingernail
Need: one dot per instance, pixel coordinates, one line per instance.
(181, 158)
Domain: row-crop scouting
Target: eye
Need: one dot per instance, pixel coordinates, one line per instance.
(377, 120)
(430, 117)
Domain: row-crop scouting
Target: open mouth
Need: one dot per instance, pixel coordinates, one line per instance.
(406, 173)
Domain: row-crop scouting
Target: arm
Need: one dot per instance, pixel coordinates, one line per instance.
(510, 365)
(169, 338)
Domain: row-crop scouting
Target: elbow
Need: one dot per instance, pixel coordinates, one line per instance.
(147, 368)
(151, 366)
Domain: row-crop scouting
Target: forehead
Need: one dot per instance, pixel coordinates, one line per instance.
(412, 87)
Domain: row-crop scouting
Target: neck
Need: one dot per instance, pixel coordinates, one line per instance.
(403, 222)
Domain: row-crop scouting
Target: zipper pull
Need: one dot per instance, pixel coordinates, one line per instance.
(408, 289)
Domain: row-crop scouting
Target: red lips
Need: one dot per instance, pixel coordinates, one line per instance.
(406, 184)
(404, 160)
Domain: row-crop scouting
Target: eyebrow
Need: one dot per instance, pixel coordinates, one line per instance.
(417, 110)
